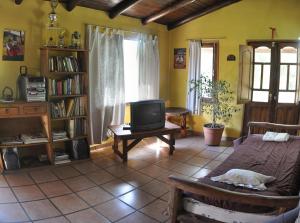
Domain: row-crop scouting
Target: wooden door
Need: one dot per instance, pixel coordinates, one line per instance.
(275, 83)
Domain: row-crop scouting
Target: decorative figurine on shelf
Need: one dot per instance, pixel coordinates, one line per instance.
(75, 41)
(52, 14)
(61, 39)
(51, 42)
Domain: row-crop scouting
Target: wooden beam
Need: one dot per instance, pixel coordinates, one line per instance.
(122, 7)
(18, 2)
(166, 11)
(202, 12)
(71, 4)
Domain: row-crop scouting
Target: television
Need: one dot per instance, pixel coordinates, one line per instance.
(147, 115)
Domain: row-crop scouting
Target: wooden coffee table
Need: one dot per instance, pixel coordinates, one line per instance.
(124, 135)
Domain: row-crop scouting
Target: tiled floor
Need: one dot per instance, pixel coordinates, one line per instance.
(104, 189)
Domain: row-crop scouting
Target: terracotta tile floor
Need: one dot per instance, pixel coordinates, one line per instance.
(103, 189)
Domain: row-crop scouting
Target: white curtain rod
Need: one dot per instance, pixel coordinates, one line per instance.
(128, 31)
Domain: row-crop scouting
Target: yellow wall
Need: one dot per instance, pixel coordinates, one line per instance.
(31, 16)
(248, 19)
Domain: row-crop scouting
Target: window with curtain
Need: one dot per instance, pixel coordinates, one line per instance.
(141, 68)
(131, 70)
(203, 62)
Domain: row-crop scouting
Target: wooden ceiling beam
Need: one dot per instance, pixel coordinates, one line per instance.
(18, 2)
(122, 7)
(200, 13)
(71, 4)
(167, 11)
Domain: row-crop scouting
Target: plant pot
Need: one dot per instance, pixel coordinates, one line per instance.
(213, 136)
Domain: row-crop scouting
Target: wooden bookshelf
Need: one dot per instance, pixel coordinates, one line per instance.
(25, 118)
(61, 123)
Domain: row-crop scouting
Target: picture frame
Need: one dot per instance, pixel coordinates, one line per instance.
(13, 45)
(180, 58)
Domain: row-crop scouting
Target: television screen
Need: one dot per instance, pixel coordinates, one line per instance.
(147, 115)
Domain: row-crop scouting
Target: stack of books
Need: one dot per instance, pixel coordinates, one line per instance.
(59, 135)
(63, 64)
(61, 158)
(11, 140)
(69, 86)
(68, 108)
(34, 138)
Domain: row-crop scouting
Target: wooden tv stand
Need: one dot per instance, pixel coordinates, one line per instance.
(124, 135)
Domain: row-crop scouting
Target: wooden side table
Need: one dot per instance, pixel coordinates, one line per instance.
(178, 112)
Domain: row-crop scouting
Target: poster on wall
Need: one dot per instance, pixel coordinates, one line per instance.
(13, 45)
(180, 58)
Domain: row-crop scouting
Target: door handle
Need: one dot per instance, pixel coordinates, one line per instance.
(270, 96)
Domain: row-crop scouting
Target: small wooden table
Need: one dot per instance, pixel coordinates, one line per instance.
(125, 135)
(179, 112)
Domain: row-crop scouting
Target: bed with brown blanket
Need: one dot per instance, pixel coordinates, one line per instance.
(227, 203)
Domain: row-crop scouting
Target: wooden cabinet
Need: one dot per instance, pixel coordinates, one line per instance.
(25, 118)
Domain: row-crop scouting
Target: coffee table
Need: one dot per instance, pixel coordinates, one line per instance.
(124, 135)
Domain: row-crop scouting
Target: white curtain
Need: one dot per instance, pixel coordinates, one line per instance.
(193, 102)
(106, 81)
(148, 60)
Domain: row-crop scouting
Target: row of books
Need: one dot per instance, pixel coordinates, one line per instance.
(63, 64)
(69, 86)
(68, 108)
(77, 127)
(24, 139)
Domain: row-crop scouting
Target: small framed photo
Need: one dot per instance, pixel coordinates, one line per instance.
(180, 58)
(13, 45)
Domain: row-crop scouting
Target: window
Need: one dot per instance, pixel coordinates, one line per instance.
(130, 70)
(209, 60)
(261, 76)
(208, 67)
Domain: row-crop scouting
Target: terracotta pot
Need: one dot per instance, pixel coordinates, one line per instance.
(212, 136)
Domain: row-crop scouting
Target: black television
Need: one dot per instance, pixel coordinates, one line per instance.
(147, 115)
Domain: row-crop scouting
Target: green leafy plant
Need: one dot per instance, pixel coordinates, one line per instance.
(216, 99)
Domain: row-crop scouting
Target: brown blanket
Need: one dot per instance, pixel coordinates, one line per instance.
(278, 159)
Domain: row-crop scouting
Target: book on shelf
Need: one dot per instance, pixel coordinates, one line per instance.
(63, 64)
(77, 127)
(59, 135)
(68, 86)
(68, 108)
(34, 138)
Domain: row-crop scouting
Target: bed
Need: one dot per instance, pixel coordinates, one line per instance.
(208, 201)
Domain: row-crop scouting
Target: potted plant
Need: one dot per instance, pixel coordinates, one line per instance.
(216, 100)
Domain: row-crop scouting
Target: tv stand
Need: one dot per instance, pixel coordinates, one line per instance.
(121, 134)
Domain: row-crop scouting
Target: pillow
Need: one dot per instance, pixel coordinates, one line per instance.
(244, 178)
(276, 137)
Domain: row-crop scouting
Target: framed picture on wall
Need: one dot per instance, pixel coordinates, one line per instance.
(13, 45)
(180, 58)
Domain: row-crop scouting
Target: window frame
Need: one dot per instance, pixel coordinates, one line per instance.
(215, 46)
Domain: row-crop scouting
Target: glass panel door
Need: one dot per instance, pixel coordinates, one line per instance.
(288, 74)
(262, 73)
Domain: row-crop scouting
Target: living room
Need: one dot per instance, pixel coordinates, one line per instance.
(119, 110)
